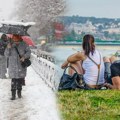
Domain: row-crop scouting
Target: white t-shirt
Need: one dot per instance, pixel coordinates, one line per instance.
(91, 69)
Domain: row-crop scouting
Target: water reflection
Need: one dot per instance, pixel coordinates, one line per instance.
(62, 52)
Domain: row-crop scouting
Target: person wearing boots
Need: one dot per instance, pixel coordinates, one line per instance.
(16, 71)
(3, 59)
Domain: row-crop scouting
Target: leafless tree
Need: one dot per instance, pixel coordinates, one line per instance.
(43, 12)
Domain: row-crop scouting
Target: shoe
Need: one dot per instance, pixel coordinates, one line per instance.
(13, 95)
(12, 98)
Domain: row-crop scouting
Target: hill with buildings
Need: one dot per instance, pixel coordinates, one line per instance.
(102, 28)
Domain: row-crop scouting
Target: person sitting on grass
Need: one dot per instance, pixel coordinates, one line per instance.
(89, 62)
(113, 65)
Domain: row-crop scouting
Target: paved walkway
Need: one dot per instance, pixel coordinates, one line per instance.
(38, 101)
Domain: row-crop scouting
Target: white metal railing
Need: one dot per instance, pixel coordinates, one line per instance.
(47, 70)
(44, 55)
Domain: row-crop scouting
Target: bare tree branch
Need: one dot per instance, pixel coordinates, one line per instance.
(43, 12)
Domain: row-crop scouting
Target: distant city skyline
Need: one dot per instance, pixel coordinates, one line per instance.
(93, 8)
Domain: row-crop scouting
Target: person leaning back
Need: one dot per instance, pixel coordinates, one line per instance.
(113, 72)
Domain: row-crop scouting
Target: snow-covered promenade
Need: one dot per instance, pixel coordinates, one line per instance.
(38, 101)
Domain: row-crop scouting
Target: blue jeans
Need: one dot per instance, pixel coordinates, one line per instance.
(107, 73)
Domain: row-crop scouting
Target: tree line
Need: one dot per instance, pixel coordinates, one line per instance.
(67, 20)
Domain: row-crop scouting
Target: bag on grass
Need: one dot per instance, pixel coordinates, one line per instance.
(68, 82)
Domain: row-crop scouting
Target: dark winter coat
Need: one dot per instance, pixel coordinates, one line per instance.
(3, 66)
(3, 45)
(15, 68)
(3, 59)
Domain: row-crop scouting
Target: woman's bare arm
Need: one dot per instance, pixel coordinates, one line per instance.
(73, 58)
(76, 57)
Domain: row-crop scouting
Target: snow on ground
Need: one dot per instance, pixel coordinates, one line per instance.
(38, 101)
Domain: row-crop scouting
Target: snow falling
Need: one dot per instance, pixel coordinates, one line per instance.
(37, 102)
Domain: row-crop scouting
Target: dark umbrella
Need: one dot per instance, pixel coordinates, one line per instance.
(14, 29)
(18, 28)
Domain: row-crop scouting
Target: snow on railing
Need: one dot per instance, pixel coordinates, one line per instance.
(47, 70)
(44, 55)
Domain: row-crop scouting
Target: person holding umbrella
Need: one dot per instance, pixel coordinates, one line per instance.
(16, 71)
(3, 59)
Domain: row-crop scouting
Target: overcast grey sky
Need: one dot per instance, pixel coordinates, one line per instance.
(6, 8)
(96, 8)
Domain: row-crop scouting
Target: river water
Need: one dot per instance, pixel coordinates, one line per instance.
(62, 52)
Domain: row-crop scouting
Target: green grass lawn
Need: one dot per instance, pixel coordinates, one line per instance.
(89, 104)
